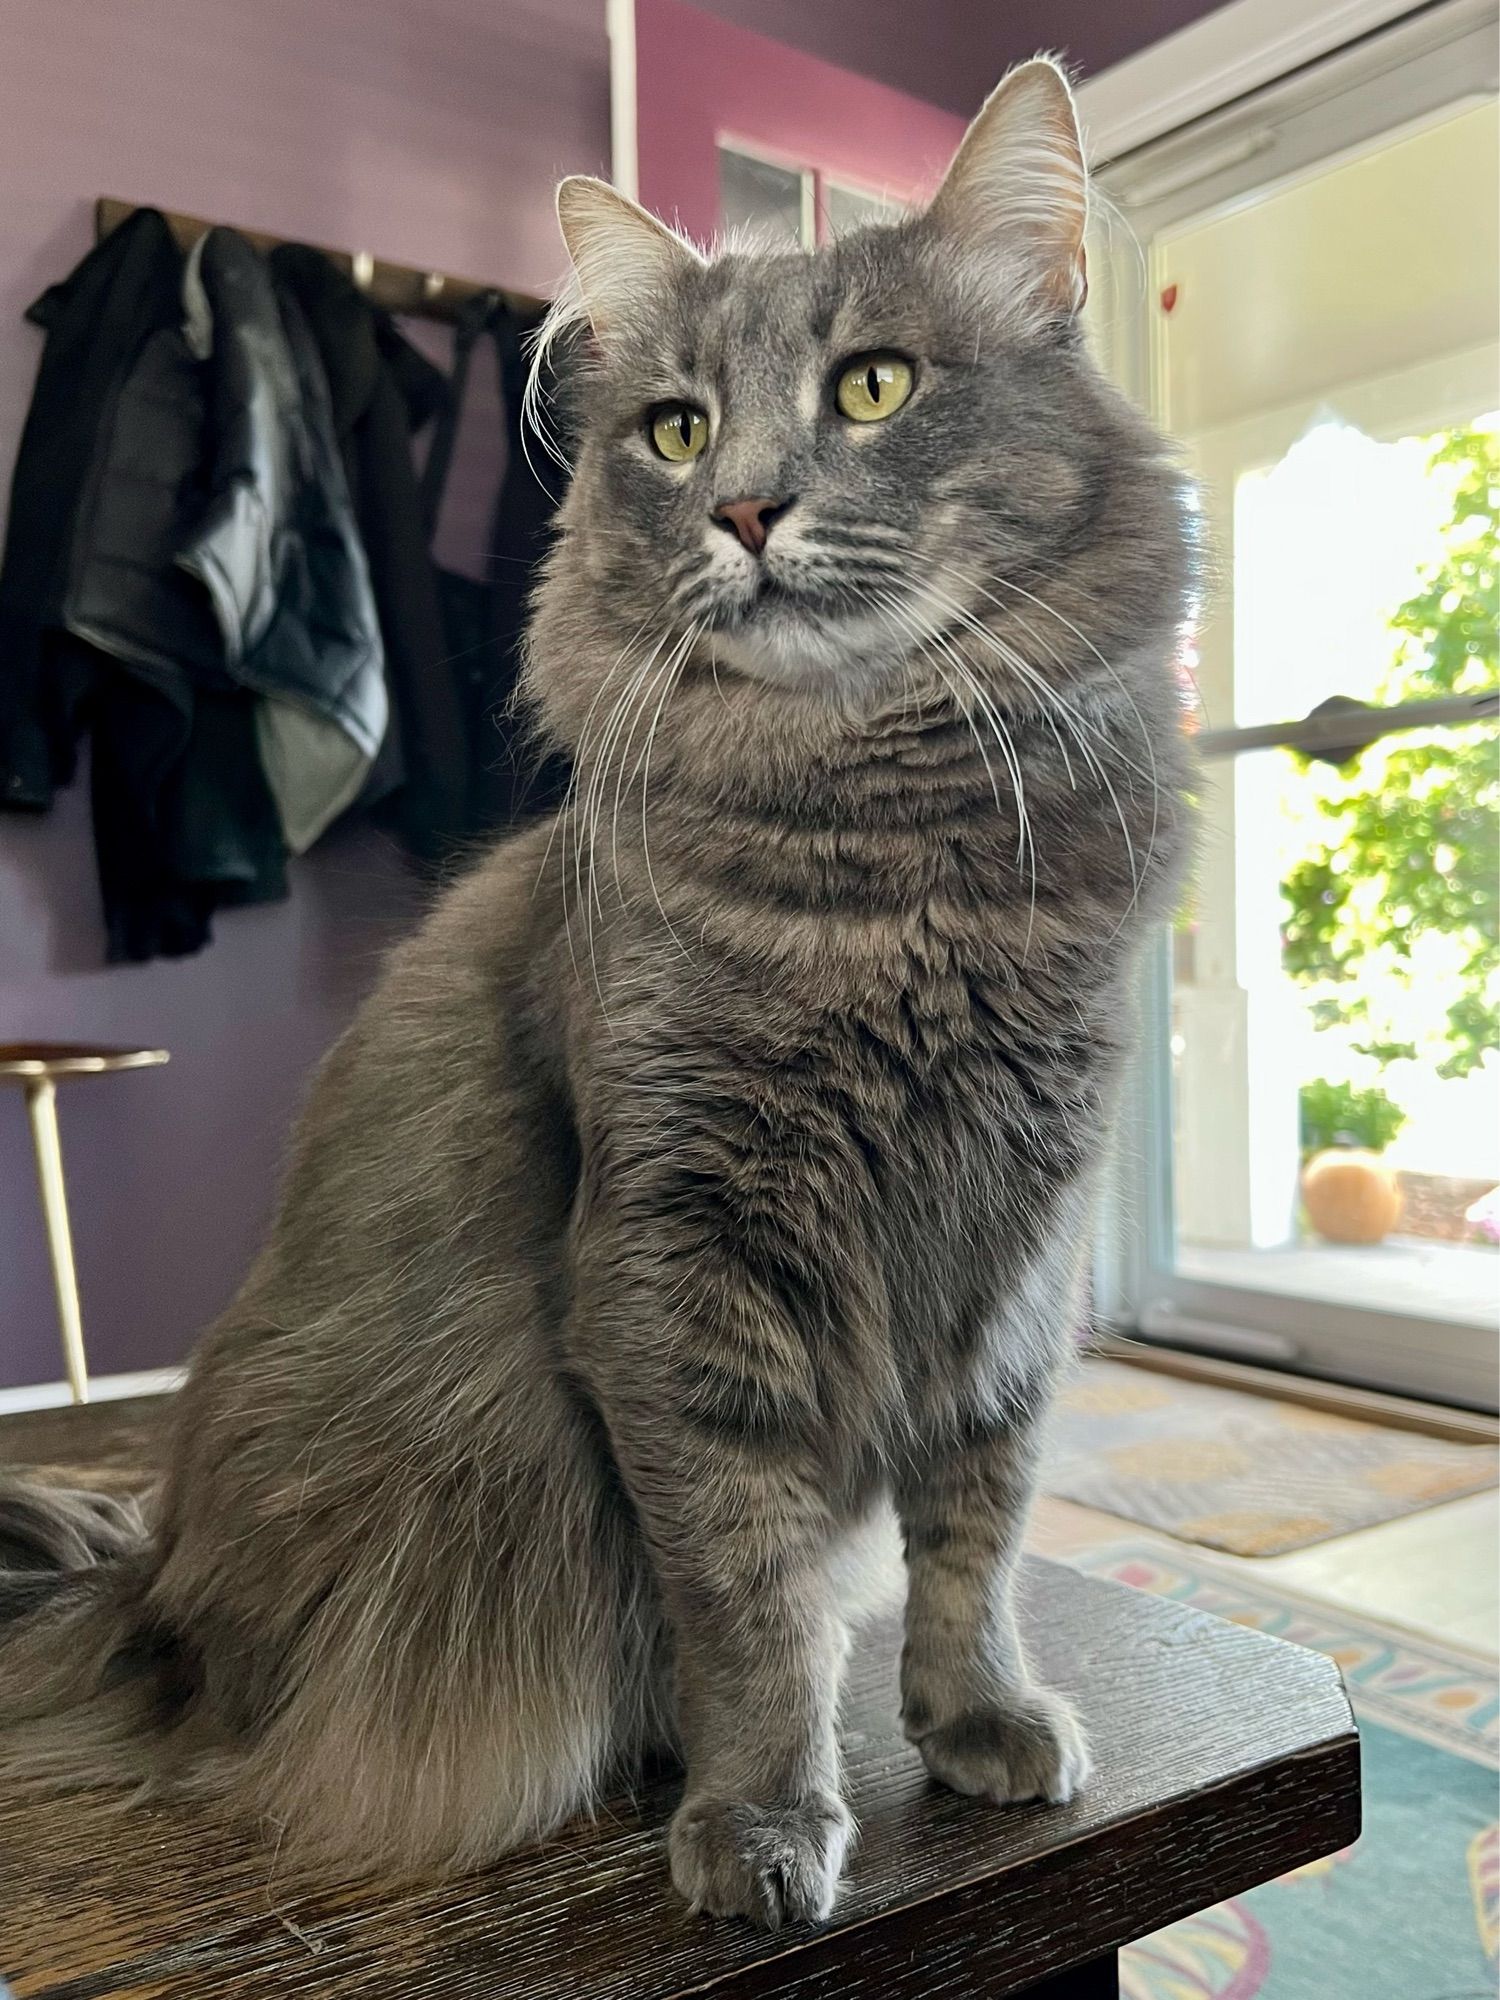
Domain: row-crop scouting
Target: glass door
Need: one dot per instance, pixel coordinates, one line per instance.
(1309, 305)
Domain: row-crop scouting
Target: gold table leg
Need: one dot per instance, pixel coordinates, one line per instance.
(41, 1107)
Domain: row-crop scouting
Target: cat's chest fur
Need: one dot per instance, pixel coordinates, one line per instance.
(974, 1079)
(881, 1118)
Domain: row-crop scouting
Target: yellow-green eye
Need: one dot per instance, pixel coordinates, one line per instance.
(872, 386)
(678, 431)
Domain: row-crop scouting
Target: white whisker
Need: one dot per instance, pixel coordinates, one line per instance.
(683, 651)
(1050, 700)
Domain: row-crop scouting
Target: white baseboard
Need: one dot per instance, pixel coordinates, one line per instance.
(102, 1389)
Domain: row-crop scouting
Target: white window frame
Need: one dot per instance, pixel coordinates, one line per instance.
(807, 179)
(814, 181)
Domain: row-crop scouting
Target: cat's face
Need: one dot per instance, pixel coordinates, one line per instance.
(792, 436)
(803, 468)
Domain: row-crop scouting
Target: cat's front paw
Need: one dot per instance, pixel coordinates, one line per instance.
(772, 1863)
(1030, 1745)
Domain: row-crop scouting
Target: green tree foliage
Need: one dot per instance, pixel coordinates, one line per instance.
(1408, 842)
(1337, 1113)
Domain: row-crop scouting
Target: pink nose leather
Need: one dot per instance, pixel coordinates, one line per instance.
(750, 519)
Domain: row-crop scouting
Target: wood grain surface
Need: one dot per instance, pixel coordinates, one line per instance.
(1224, 1757)
(114, 1445)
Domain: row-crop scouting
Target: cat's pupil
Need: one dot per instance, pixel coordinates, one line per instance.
(872, 385)
(685, 429)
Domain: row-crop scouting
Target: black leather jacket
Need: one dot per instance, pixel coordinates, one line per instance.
(209, 614)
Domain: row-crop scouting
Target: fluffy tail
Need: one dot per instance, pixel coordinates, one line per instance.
(80, 1672)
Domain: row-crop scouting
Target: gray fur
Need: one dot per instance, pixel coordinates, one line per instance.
(716, 1161)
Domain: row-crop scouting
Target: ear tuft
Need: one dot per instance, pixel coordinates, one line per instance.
(622, 256)
(1018, 183)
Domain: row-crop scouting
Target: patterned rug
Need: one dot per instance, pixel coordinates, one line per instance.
(1411, 1911)
(1238, 1472)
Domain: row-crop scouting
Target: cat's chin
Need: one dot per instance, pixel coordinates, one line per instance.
(849, 659)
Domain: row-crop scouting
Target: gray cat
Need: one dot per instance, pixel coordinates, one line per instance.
(716, 1161)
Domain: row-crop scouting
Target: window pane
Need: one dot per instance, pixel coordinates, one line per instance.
(855, 208)
(755, 195)
(1336, 1127)
(1338, 978)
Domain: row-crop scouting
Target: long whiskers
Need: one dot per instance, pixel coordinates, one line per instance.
(679, 660)
(968, 686)
(1151, 774)
(1076, 725)
(647, 688)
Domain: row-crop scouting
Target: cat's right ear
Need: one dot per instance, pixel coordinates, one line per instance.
(623, 257)
(1018, 185)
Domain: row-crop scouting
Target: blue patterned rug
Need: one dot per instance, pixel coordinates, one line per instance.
(1410, 1912)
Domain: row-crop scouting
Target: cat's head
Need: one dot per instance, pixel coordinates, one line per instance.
(807, 469)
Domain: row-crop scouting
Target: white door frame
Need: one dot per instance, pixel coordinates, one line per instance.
(1418, 69)
(1230, 52)
(624, 157)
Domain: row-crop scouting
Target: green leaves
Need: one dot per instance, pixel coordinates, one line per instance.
(1336, 1113)
(1448, 630)
(1409, 847)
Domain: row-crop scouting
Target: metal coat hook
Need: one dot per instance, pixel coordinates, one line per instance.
(399, 288)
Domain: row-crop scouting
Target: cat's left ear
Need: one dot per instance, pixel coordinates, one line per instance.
(1018, 184)
(624, 258)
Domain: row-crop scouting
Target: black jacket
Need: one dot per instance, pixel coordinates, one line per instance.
(183, 574)
(534, 779)
(183, 818)
(96, 322)
(512, 775)
(382, 391)
(217, 538)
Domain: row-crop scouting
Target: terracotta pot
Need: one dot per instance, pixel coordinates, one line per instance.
(1350, 1196)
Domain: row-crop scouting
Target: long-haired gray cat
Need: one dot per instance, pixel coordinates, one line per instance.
(716, 1161)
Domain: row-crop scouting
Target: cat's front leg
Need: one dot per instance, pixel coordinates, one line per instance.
(708, 1434)
(968, 1700)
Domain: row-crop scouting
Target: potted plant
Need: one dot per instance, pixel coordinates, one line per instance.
(1350, 1195)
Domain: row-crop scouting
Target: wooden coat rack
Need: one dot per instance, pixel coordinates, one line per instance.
(400, 288)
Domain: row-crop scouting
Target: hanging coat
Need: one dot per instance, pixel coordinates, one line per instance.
(382, 391)
(512, 774)
(184, 578)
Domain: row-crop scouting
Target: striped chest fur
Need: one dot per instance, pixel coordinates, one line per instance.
(882, 1124)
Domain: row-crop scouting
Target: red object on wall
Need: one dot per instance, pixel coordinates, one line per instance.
(1168, 297)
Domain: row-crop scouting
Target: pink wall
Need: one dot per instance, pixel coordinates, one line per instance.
(775, 97)
(952, 51)
(429, 133)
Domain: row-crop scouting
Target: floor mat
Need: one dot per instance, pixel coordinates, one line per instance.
(1238, 1472)
(1410, 1912)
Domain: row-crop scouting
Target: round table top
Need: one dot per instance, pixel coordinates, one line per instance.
(23, 1062)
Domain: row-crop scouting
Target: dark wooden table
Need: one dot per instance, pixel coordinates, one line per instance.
(1224, 1758)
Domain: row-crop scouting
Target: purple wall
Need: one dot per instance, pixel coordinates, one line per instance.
(431, 134)
(952, 51)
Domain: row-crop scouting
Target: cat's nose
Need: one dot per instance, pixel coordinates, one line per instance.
(750, 519)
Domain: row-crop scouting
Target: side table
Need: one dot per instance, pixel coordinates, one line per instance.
(38, 1067)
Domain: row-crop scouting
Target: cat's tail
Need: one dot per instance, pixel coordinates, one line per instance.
(81, 1674)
